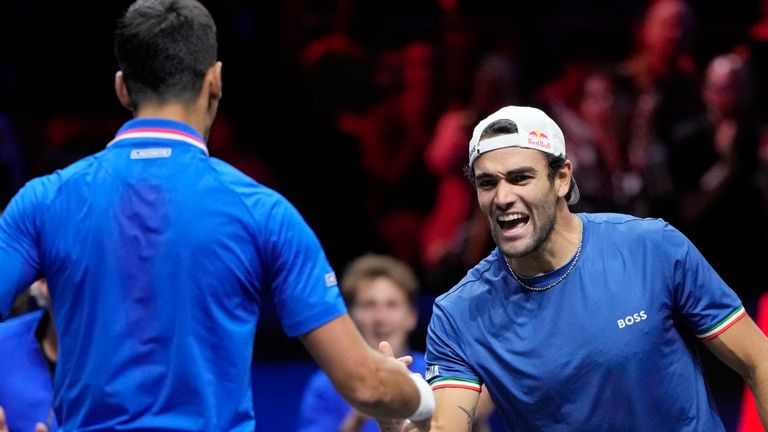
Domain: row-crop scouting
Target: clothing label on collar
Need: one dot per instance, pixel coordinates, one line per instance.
(151, 153)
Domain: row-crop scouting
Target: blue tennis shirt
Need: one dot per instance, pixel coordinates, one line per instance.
(158, 259)
(610, 348)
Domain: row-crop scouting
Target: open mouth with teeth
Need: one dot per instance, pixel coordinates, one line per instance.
(509, 222)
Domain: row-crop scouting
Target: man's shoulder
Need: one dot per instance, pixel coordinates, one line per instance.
(622, 224)
(241, 183)
(633, 234)
(48, 184)
(478, 279)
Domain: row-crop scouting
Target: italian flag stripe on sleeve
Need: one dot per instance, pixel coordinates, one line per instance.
(724, 324)
(455, 383)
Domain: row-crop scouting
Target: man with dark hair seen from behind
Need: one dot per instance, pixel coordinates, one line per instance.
(579, 322)
(158, 259)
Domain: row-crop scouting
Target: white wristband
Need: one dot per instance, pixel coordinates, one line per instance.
(426, 399)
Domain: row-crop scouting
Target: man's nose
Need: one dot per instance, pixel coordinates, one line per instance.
(506, 194)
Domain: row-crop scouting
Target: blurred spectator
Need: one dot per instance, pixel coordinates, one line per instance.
(457, 48)
(564, 91)
(714, 163)
(755, 48)
(600, 144)
(662, 67)
(392, 137)
(334, 82)
(381, 294)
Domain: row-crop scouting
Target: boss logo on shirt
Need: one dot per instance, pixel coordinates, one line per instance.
(632, 319)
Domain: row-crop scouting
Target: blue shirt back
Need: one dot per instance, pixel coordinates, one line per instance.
(610, 348)
(158, 258)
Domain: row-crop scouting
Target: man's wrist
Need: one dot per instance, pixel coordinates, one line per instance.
(426, 399)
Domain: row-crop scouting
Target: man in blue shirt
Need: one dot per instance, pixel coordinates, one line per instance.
(579, 322)
(158, 258)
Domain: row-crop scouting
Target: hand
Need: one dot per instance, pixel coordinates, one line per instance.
(386, 349)
(353, 422)
(390, 425)
(416, 426)
(4, 426)
(400, 425)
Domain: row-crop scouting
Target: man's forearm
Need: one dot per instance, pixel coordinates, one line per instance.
(375, 383)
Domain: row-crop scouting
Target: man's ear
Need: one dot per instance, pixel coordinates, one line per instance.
(564, 178)
(121, 90)
(213, 76)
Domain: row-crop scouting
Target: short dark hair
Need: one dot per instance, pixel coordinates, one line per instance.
(506, 127)
(165, 48)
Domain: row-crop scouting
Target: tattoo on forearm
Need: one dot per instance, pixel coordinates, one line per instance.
(470, 416)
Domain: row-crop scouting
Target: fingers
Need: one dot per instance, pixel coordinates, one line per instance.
(39, 427)
(406, 360)
(421, 426)
(408, 427)
(386, 349)
(389, 425)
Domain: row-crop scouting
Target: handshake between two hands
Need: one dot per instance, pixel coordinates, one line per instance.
(400, 425)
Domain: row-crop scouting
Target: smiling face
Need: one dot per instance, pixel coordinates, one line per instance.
(383, 312)
(518, 198)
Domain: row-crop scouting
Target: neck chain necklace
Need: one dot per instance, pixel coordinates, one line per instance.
(561, 278)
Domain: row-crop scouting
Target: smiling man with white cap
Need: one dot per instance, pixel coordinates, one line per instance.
(581, 321)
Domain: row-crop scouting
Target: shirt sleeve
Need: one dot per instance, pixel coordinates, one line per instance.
(302, 282)
(19, 256)
(703, 300)
(447, 367)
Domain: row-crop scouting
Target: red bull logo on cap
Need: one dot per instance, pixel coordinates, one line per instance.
(537, 138)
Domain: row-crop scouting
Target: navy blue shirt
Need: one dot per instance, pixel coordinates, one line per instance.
(158, 258)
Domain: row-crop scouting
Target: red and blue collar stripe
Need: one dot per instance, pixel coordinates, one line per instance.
(165, 129)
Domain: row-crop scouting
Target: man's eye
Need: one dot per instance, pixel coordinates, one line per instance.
(486, 184)
(520, 178)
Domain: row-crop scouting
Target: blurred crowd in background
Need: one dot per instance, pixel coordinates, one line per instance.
(360, 113)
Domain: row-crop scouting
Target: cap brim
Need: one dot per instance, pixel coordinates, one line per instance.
(574, 194)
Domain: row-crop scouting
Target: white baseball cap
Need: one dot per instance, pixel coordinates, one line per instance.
(535, 130)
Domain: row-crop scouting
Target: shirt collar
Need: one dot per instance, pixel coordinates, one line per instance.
(166, 129)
